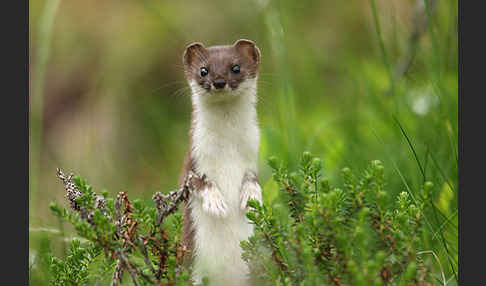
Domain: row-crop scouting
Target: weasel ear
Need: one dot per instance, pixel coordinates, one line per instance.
(194, 52)
(248, 49)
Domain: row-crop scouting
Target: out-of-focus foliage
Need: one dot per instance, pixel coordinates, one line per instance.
(114, 105)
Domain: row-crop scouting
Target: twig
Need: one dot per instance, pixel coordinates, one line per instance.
(73, 193)
(117, 274)
(118, 216)
(126, 264)
(146, 258)
(168, 204)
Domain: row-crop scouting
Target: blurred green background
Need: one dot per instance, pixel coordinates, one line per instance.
(350, 81)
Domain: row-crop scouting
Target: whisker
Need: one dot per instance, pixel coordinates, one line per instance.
(269, 75)
(178, 82)
(266, 83)
(181, 92)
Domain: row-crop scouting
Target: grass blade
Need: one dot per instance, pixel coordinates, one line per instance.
(411, 147)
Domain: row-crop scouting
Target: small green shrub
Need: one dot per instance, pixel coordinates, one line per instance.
(73, 270)
(315, 234)
(123, 237)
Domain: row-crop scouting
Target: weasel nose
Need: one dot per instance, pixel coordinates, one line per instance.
(219, 83)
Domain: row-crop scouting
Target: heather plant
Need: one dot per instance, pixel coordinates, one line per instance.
(122, 237)
(311, 233)
(316, 234)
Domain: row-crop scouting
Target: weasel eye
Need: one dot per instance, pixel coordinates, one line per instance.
(235, 69)
(204, 71)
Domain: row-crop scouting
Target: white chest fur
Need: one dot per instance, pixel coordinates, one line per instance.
(225, 144)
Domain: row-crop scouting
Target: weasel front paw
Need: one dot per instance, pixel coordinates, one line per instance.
(213, 201)
(250, 190)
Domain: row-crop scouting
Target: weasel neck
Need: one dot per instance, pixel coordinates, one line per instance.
(226, 112)
(225, 131)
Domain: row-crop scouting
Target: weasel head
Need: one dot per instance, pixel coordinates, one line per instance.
(220, 73)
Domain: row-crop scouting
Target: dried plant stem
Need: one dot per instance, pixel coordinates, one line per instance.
(117, 274)
(73, 193)
(168, 204)
(146, 258)
(120, 255)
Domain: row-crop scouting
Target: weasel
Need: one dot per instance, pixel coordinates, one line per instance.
(224, 143)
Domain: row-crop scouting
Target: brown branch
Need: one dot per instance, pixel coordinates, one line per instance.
(120, 255)
(117, 274)
(126, 226)
(146, 258)
(168, 204)
(276, 254)
(118, 216)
